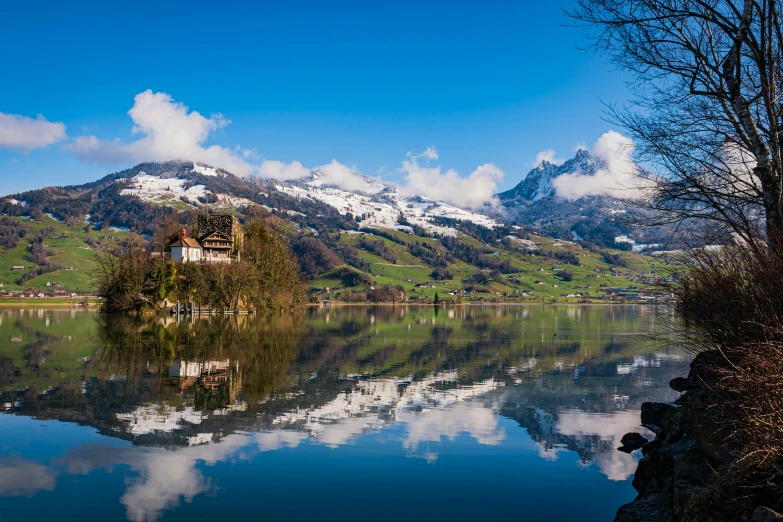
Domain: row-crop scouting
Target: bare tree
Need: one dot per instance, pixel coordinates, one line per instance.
(707, 117)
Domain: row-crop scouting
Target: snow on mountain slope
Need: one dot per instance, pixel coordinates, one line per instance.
(374, 205)
(383, 208)
(205, 170)
(377, 403)
(155, 189)
(164, 190)
(371, 186)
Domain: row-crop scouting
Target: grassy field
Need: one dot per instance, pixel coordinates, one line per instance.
(70, 248)
(539, 278)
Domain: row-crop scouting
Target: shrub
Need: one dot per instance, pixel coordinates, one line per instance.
(731, 304)
(566, 276)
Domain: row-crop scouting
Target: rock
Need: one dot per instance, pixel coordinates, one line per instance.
(683, 492)
(653, 444)
(692, 468)
(681, 446)
(677, 425)
(655, 413)
(654, 465)
(679, 384)
(705, 368)
(653, 508)
(631, 442)
(633, 439)
(764, 514)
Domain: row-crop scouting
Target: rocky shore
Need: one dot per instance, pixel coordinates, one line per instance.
(688, 453)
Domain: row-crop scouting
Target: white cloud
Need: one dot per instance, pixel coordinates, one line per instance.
(25, 134)
(617, 176)
(549, 156)
(478, 420)
(430, 153)
(616, 465)
(163, 478)
(472, 191)
(170, 131)
(282, 171)
(20, 477)
(344, 177)
(278, 439)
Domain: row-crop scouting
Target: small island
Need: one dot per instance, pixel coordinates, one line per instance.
(222, 266)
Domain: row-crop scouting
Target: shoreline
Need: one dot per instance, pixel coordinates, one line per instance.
(93, 304)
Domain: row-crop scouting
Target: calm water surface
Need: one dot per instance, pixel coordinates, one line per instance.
(383, 413)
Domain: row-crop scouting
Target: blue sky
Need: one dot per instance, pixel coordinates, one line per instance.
(360, 82)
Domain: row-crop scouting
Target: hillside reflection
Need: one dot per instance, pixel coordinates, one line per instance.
(211, 390)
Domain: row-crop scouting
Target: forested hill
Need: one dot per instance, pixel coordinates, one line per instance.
(375, 245)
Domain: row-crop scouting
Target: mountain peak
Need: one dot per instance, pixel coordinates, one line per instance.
(582, 154)
(537, 184)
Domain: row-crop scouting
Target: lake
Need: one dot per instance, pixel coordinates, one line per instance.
(383, 413)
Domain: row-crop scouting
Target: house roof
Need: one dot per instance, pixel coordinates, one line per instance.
(186, 242)
(215, 236)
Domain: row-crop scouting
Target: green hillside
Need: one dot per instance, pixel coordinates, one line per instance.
(546, 273)
(536, 277)
(71, 245)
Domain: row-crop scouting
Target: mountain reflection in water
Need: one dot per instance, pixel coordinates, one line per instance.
(177, 413)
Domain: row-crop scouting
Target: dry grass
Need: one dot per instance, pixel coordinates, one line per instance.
(731, 301)
(731, 297)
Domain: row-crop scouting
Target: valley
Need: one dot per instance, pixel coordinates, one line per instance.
(374, 244)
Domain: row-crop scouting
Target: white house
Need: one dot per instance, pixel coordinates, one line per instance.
(186, 250)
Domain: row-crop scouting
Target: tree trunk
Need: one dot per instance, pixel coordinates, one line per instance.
(773, 206)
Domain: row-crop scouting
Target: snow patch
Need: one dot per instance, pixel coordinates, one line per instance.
(205, 170)
(384, 208)
(156, 190)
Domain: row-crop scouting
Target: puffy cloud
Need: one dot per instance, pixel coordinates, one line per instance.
(282, 171)
(616, 465)
(548, 155)
(20, 477)
(278, 439)
(430, 153)
(333, 173)
(616, 177)
(25, 134)
(163, 478)
(169, 131)
(344, 177)
(478, 420)
(475, 190)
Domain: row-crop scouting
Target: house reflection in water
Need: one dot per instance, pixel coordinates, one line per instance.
(214, 383)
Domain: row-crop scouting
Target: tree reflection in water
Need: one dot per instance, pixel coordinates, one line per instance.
(216, 388)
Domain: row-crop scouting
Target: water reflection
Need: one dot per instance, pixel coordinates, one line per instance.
(190, 396)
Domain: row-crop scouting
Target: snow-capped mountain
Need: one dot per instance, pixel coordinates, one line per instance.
(383, 206)
(373, 205)
(136, 198)
(176, 186)
(538, 182)
(604, 221)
